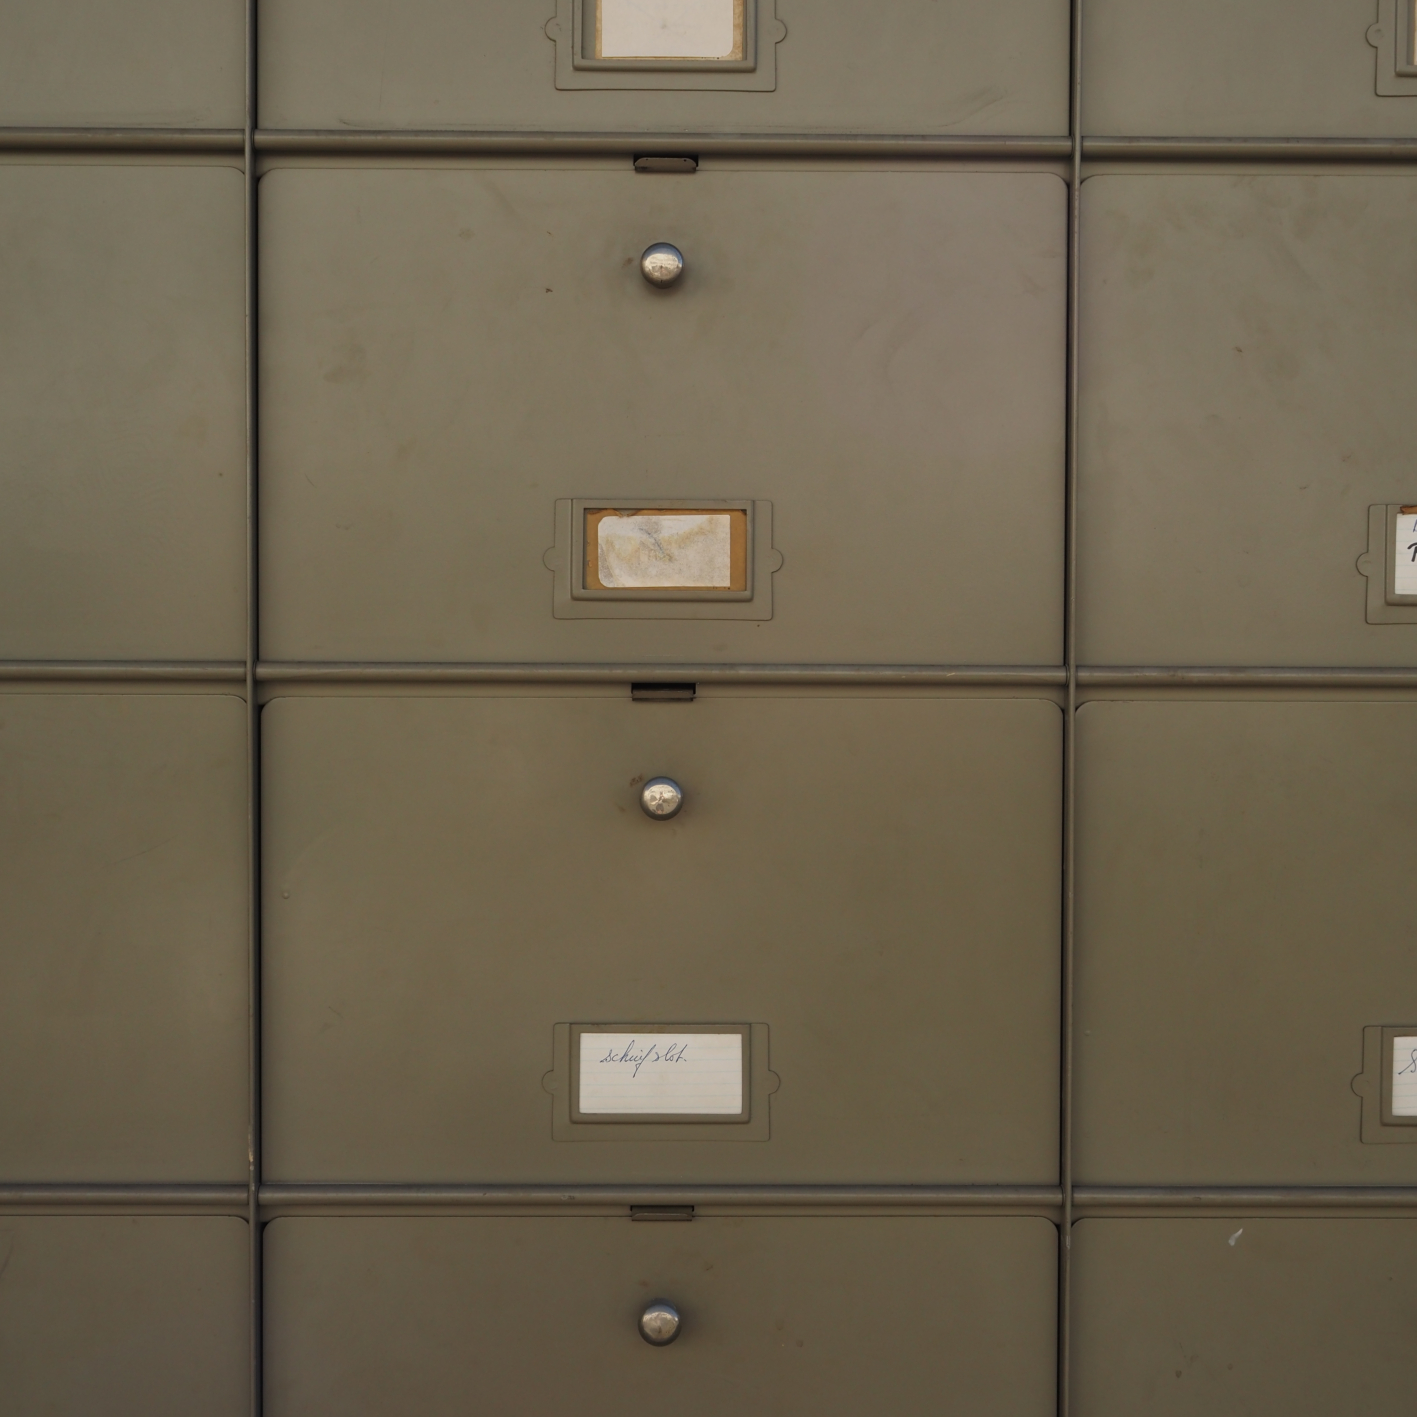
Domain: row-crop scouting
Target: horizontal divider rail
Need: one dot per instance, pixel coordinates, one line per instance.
(269, 673)
(346, 1197)
(123, 140)
(218, 1199)
(294, 1198)
(495, 143)
(330, 672)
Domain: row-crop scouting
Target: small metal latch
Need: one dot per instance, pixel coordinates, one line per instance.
(661, 1212)
(665, 692)
(657, 163)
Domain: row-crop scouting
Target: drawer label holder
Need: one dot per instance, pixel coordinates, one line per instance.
(655, 1081)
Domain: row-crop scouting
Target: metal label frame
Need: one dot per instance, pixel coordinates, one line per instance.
(581, 507)
(1406, 47)
(1378, 564)
(1391, 1033)
(563, 1082)
(573, 600)
(1394, 36)
(1394, 511)
(1374, 1085)
(572, 29)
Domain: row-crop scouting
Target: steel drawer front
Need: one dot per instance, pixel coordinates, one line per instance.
(873, 880)
(374, 1316)
(133, 1316)
(1233, 1315)
(1239, 928)
(878, 356)
(123, 979)
(122, 513)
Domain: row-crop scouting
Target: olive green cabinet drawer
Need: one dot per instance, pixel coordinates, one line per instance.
(135, 64)
(1228, 1317)
(123, 996)
(1243, 930)
(867, 886)
(381, 1317)
(128, 1316)
(1248, 68)
(899, 66)
(456, 363)
(122, 413)
(1242, 414)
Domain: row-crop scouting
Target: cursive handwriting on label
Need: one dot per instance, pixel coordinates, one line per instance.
(672, 1053)
(647, 1073)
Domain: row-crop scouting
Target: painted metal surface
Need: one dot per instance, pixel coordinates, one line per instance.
(121, 508)
(964, 1306)
(138, 1316)
(898, 382)
(1247, 738)
(1231, 1315)
(872, 906)
(122, 981)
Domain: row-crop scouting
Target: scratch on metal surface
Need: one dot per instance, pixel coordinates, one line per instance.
(143, 852)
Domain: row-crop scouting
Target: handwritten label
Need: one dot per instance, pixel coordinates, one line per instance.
(669, 29)
(687, 552)
(693, 1074)
(1404, 566)
(1404, 1077)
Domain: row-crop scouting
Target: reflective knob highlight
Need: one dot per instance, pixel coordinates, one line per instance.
(661, 798)
(662, 264)
(659, 1324)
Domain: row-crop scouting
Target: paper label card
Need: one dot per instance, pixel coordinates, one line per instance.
(1404, 1076)
(669, 29)
(665, 1074)
(658, 549)
(1404, 563)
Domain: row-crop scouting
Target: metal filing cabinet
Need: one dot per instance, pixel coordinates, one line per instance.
(377, 1314)
(121, 514)
(1246, 68)
(142, 64)
(139, 1316)
(1231, 1316)
(1238, 939)
(123, 979)
(1240, 417)
(707, 701)
(914, 66)
(896, 882)
(488, 335)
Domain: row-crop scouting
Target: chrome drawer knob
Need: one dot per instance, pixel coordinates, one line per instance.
(662, 264)
(661, 797)
(659, 1324)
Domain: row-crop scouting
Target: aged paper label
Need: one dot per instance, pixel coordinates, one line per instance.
(691, 551)
(1404, 565)
(669, 29)
(1404, 1077)
(690, 1074)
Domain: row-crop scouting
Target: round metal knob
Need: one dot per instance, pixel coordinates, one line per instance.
(659, 1324)
(661, 797)
(662, 264)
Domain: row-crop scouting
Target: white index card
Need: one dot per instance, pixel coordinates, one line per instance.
(667, 29)
(686, 552)
(689, 1074)
(1404, 565)
(1404, 1077)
